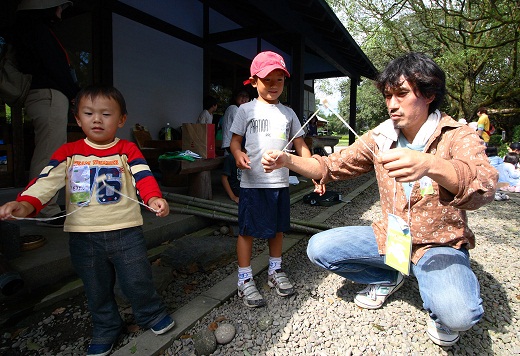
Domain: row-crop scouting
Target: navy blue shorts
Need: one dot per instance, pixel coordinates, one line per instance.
(262, 212)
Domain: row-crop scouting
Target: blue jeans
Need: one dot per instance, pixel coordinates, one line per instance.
(98, 257)
(449, 289)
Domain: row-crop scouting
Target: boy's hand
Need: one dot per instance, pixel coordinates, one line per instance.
(273, 159)
(243, 161)
(160, 206)
(14, 208)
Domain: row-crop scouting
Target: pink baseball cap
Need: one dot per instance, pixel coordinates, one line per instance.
(264, 63)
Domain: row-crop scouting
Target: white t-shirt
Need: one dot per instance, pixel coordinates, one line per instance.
(227, 121)
(264, 126)
(205, 118)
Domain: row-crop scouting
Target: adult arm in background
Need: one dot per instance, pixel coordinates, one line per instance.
(225, 183)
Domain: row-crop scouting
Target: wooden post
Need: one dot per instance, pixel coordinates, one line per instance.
(200, 185)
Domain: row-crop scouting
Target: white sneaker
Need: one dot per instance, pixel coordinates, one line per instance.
(282, 284)
(441, 334)
(374, 295)
(250, 294)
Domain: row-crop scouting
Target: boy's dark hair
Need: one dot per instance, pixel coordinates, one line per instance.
(515, 146)
(482, 110)
(511, 157)
(97, 90)
(208, 102)
(491, 151)
(423, 74)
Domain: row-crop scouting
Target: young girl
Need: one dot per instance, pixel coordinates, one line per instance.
(106, 238)
(512, 174)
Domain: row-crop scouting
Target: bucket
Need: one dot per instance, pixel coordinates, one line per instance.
(10, 280)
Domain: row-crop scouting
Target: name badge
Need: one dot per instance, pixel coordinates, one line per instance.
(426, 185)
(398, 244)
(80, 185)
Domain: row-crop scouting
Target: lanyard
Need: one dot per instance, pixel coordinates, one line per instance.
(63, 48)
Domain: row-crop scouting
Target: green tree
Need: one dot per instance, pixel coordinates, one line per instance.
(475, 42)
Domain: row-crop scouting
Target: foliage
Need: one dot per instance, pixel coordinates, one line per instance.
(515, 137)
(475, 42)
(370, 110)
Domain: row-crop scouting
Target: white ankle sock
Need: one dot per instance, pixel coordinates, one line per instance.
(244, 273)
(274, 264)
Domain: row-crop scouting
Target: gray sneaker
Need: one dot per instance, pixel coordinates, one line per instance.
(282, 284)
(250, 295)
(441, 334)
(374, 295)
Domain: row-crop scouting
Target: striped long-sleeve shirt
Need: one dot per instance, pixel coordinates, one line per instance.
(79, 166)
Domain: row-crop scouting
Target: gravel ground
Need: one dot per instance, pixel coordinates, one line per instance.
(321, 318)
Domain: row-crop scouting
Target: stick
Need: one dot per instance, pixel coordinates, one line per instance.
(297, 132)
(326, 103)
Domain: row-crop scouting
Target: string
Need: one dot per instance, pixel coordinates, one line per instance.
(101, 179)
(326, 103)
(297, 132)
(47, 219)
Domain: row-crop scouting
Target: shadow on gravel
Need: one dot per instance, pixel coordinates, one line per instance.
(497, 311)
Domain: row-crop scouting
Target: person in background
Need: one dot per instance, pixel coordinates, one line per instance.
(430, 169)
(498, 163)
(230, 178)
(210, 106)
(263, 210)
(241, 97)
(515, 147)
(40, 53)
(101, 174)
(313, 127)
(511, 173)
(483, 124)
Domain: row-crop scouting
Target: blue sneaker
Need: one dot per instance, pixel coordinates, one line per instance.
(99, 349)
(163, 326)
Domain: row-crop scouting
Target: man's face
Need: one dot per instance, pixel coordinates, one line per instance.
(407, 110)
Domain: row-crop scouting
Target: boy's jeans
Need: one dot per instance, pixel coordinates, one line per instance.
(449, 289)
(97, 257)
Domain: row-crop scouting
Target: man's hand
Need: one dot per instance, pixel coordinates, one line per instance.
(273, 159)
(406, 165)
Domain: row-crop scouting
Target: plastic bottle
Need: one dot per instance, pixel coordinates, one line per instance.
(168, 133)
